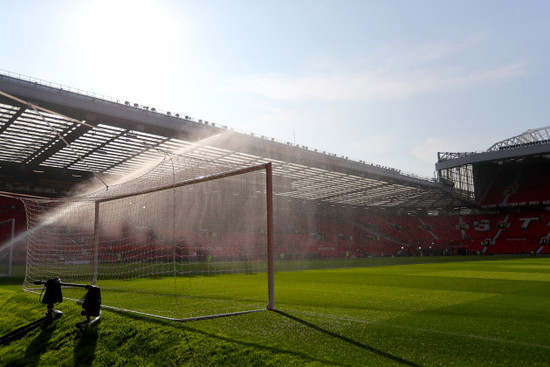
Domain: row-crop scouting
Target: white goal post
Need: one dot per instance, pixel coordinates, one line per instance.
(185, 246)
(6, 247)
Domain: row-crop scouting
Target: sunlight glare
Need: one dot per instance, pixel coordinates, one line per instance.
(121, 40)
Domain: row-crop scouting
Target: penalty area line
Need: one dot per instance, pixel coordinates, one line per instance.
(486, 338)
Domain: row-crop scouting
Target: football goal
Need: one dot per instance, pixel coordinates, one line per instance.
(189, 239)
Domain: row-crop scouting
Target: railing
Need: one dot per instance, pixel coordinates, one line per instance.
(445, 156)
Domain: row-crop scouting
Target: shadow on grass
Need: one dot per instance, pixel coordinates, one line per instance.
(186, 327)
(38, 346)
(86, 343)
(15, 280)
(348, 340)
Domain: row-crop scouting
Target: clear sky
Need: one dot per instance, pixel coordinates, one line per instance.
(387, 82)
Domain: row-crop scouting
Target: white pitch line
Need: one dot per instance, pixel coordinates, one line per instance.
(424, 329)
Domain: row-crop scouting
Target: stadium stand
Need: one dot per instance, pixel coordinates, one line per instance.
(491, 202)
(525, 232)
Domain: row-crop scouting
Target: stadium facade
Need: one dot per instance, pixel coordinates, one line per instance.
(512, 172)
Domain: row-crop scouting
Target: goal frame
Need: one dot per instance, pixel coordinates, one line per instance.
(10, 246)
(269, 229)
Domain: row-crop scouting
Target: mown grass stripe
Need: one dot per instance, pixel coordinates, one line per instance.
(418, 329)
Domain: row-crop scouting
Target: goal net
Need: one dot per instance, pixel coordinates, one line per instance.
(188, 239)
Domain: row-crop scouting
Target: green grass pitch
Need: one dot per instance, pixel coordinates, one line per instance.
(393, 312)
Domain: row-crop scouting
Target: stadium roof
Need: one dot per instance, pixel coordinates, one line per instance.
(532, 142)
(53, 137)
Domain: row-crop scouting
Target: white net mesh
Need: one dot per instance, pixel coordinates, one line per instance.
(186, 239)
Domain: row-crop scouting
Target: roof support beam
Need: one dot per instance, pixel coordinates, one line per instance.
(145, 148)
(56, 146)
(83, 156)
(12, 119)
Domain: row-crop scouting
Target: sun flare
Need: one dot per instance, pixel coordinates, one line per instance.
(124, 39)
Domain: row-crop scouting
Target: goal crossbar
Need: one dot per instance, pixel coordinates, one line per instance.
(193, 181)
